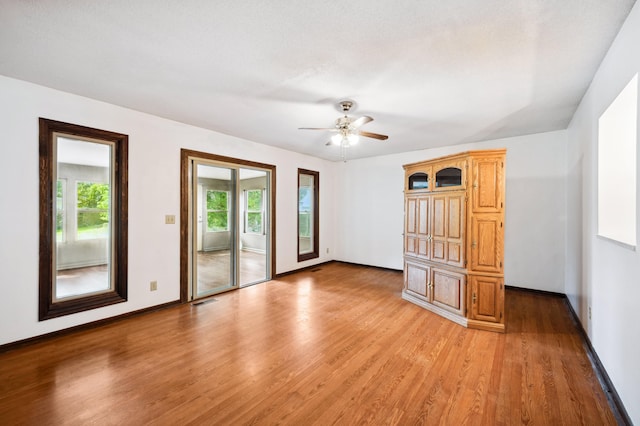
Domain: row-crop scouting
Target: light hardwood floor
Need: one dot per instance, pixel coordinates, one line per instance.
(331, 345)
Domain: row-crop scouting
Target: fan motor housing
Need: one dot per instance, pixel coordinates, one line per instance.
(343, 122)
(346, 105)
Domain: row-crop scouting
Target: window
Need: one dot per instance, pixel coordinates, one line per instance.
(617, 140)
(83, 218)
(308, 214)
(93, 210)
(217, 211)
(254, 211)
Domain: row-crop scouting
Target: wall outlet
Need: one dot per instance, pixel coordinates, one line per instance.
(589, 310)
(170, 219)
(327, 250)
(153, 285)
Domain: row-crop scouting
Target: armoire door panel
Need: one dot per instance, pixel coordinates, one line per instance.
(454, 254)
(423, 225)
(487, 177)
(455, 229)
(410, 246)
(448, 290)
(410, 217)
(486, 234)
(423, 248)
(486, 298)
(448, 225)
(438, 251)
(417, 226)
(423, 216)
(416, 278)
(455, 205)
(439, 226)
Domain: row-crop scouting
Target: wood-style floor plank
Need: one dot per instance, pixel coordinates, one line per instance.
(332, 345)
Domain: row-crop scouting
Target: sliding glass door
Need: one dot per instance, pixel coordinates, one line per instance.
(214, 194)
(229, 226)
(253, 237)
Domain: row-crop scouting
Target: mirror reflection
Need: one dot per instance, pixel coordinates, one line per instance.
(308, 222)
(82, 218)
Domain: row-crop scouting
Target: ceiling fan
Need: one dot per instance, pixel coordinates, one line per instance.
(346, 129)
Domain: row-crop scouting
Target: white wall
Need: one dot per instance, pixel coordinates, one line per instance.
(154, 191)
(600, 273)
(371, 201)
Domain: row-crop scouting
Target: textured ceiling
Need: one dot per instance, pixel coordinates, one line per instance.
(430, 72)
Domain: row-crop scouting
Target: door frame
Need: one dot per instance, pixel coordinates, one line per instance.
(185, 187)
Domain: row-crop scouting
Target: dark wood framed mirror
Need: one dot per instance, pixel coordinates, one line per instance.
(83, 218)
(308, 214)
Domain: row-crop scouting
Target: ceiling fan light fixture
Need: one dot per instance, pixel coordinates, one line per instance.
(347, 129)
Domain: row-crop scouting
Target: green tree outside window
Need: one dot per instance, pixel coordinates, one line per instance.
(254, 211)
(93, 210)
(217, 211)
(59, 211)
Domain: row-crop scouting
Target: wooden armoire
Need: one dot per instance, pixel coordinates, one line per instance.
(454, 237)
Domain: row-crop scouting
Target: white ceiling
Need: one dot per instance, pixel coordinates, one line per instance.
(430, 72)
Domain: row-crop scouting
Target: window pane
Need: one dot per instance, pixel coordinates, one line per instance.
(217, 221)
(217, 211)
(216, 200)
(93, 210)
(254, 211)
(304, 212)
(254, 200)
(305, 199)
(304, 220)
(254, 223)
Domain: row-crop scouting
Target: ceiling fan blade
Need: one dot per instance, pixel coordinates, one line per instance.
(373, 135)
(326, 129)
(361, 121)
